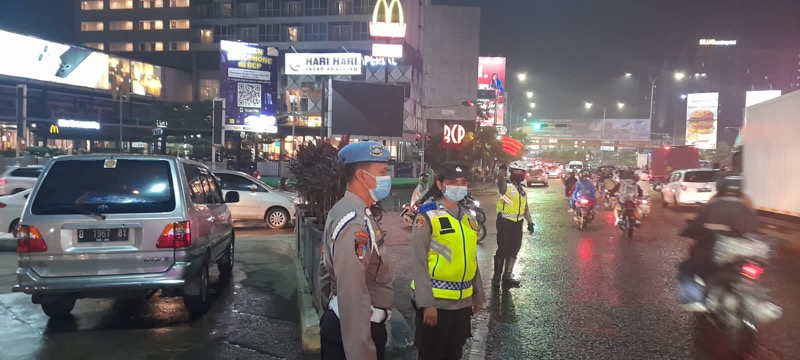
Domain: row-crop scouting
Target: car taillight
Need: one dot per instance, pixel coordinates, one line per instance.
(2, 181)
(752, 271)
(683, 186)
(175, 235)
(2, 205)
(584, 201)
(30, 240)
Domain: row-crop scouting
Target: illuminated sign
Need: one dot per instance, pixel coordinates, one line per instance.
(387, 28)
(715, 42)
(77, 124)
(454, 134)
(378, 61)
(387, 50)
(323, 64)
(256, 123)
(54, 129)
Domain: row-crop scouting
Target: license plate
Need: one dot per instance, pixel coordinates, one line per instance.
(102, 235)
(703, 190)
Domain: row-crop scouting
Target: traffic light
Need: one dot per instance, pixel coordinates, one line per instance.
(416, 141)
(468, 103)
(538, 126)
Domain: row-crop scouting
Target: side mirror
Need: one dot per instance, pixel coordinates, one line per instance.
(254, 187)
(232, 197)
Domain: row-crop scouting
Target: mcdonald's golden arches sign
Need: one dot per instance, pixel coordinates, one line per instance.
(386, 27)
(54, 129)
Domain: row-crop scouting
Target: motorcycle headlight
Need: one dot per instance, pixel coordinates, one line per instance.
(298, 201)
(477, 203)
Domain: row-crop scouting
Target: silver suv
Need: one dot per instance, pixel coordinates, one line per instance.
(100, 226)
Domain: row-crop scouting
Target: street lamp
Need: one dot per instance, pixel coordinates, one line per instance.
(522, 76)
(588, 105)
(529, 94)
(620, 105)
(530, 114)
(628, 74)
(679, 76)
(683, 96)
(533, 105)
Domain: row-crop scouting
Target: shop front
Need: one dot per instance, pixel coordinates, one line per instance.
(88, 136)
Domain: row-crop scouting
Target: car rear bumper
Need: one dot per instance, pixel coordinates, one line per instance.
(695, 198)
(175, 277)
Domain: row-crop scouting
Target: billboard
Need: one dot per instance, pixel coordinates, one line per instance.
(249, 85)
(323, 64)
(44, 60)
(701, 120)
(367, 109)
(755, 97)
(591, 129)
(492, 76)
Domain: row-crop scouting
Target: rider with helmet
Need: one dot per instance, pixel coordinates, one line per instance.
(569, 183)
(583, 189)
(512, 208)
(420, 190)
(628, 190)
(729, 213)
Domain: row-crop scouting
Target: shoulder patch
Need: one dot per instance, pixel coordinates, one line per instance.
(473, 224)
(360, 242)
(420, 221)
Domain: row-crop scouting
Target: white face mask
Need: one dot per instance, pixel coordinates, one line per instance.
(455, 193)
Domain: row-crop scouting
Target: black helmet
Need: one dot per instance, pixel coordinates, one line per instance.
(585, 174)
(626, 174)
(731, 184)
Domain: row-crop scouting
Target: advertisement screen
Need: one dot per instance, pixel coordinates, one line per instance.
(755, 97)
(701, 120)
(592, 129)
(145, 79)
(367, 109)
(492, 76)
(249, 84)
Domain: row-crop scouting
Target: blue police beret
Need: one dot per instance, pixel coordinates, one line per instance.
(364, 151)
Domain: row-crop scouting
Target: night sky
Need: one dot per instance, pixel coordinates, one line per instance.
(572, 50)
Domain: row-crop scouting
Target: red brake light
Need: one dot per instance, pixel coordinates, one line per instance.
(2, 205)
(2, 181)
(30, 240)
(752, 271)
(584, 201)
(666, 147)
(683, 186)
(175, 235)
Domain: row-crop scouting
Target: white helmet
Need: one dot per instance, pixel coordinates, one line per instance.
(519, 165)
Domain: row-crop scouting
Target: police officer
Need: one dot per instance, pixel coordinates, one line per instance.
(353, 276)
(447, 283)
(512, 207)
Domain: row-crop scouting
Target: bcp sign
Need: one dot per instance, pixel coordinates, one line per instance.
(387, 28)
(454, 134)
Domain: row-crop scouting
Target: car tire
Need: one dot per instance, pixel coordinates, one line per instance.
(198, 303)
(664, 202)
(225, 264)
(277, 218)
(12, 229)
(58, 308)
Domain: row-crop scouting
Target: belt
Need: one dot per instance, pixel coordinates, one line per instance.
(378, 315)
(450, 285)
(510, 216)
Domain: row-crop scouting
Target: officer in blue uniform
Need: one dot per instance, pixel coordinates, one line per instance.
(353, 276)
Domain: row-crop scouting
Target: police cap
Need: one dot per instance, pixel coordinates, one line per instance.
(452, 171)
(364, 151)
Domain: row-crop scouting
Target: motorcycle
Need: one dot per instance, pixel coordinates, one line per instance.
(608, 201)
(735, 301)
(644, 206)
(584, 212)
(628, 222)
(473, 204)
(481, 226)
(376, 211)
(408, 214)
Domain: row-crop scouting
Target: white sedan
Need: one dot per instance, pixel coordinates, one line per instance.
(11, 210)
(257, 201)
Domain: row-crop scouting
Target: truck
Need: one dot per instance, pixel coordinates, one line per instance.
(768, 150)
(666, 159)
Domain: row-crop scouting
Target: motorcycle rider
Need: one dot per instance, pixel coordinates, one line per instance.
(420, 190)
(627, 190)
(583, 188)
(730, 213)
(569, 183)
(512, 207)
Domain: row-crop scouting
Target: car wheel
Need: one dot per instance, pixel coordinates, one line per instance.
(198, 303)
(664, 202)
(13, 227)
(277, 218)
(225, 264)
(59, 307)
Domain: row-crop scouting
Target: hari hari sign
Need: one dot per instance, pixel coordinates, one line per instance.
(387, 28)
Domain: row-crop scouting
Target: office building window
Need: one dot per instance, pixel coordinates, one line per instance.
(92, 26)
(95, 45)
(361, 7)
(315, 32)
(247, 33)
(341, 32)
(92, 5)
(120, 4)
(292, 34)
(206, 36)
(179, 24)
(316, 7)
(247, 9)
(293, 8)
(151, 25)
(151, 4)
(120, 46)
(224, 32)
(179, 3)
(120, 25)
(269, 8)
(209, 89)
(361, 30)
(151, 46)
(269, 33)
(342, 7)
(179, 46)
(223, 9)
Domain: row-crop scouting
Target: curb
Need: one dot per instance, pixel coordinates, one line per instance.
(309, 318)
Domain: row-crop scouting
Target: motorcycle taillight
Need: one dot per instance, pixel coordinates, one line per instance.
(752, 271)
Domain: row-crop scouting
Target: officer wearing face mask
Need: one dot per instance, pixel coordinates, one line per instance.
(447, 286)
(512, 208)
(353, 276)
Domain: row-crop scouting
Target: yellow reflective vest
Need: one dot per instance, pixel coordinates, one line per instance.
(511, 205)
(453, 257)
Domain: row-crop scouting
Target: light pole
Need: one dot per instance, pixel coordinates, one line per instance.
(678, 76)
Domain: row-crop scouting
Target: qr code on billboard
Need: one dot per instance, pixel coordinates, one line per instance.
(249, 95)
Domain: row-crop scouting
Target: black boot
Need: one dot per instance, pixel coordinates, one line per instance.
(498, 270)
(508, 280)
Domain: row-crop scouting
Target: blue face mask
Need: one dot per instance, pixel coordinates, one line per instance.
(455, 193)
(383, 187)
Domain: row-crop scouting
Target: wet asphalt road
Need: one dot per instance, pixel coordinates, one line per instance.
(595, 295)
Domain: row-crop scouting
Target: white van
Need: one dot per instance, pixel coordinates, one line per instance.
(575, 166)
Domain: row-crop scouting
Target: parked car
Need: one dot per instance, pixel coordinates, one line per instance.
(100, 226)
(258, 201)
(694, 186)
(536, 176)
(17, 178)
(11, 210)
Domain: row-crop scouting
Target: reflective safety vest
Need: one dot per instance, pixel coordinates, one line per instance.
(453, 258)
(511, 205)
